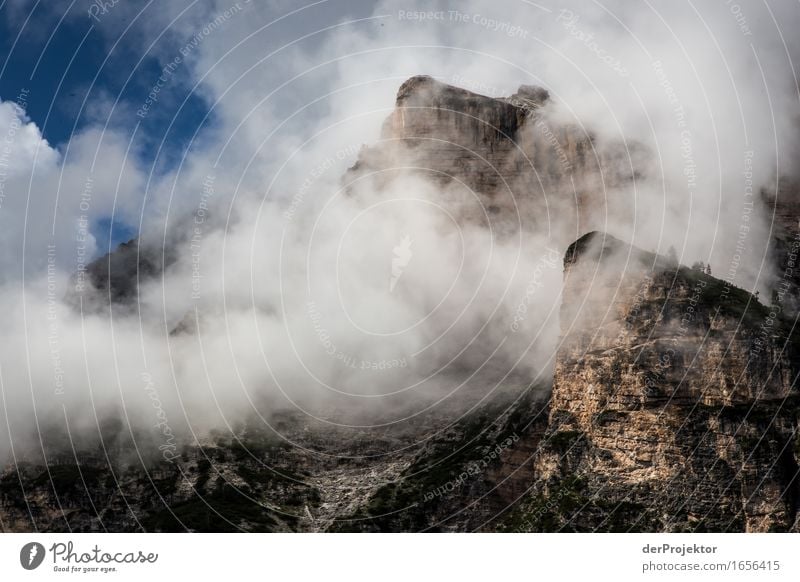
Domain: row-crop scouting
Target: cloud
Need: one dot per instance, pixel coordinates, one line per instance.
(289, 281)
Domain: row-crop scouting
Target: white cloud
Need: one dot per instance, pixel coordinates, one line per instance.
(285, 105)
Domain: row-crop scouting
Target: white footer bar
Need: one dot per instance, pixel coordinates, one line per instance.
(389, 557)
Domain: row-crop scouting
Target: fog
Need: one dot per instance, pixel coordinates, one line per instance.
(374, 303)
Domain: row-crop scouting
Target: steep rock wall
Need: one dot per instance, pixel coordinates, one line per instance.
(670, 412)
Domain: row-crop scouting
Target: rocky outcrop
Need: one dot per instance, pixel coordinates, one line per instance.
(670, 410)
(506, 162)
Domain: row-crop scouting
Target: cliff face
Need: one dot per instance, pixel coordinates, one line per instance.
(670, 411)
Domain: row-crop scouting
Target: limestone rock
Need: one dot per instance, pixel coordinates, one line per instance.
(669, 411)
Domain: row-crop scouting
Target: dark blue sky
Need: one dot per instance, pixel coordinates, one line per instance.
(60, 58)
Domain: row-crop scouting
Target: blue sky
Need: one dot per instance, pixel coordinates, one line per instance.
(59, 55)
(76, 67)
(61, 60)
(67, 65)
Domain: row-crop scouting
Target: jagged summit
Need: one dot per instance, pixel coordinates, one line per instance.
(422, 90)
(426, 106)
(499, 160)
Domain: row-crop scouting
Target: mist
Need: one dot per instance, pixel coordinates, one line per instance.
(373, 302)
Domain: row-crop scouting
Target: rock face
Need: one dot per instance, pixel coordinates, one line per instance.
(670, 411)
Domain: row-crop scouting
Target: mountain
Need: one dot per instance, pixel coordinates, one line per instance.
(505, 163)
(673, 404)
(501, 163)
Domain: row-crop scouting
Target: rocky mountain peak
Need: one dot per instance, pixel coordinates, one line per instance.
(500, 159)
(670, 409)
(425, 91)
